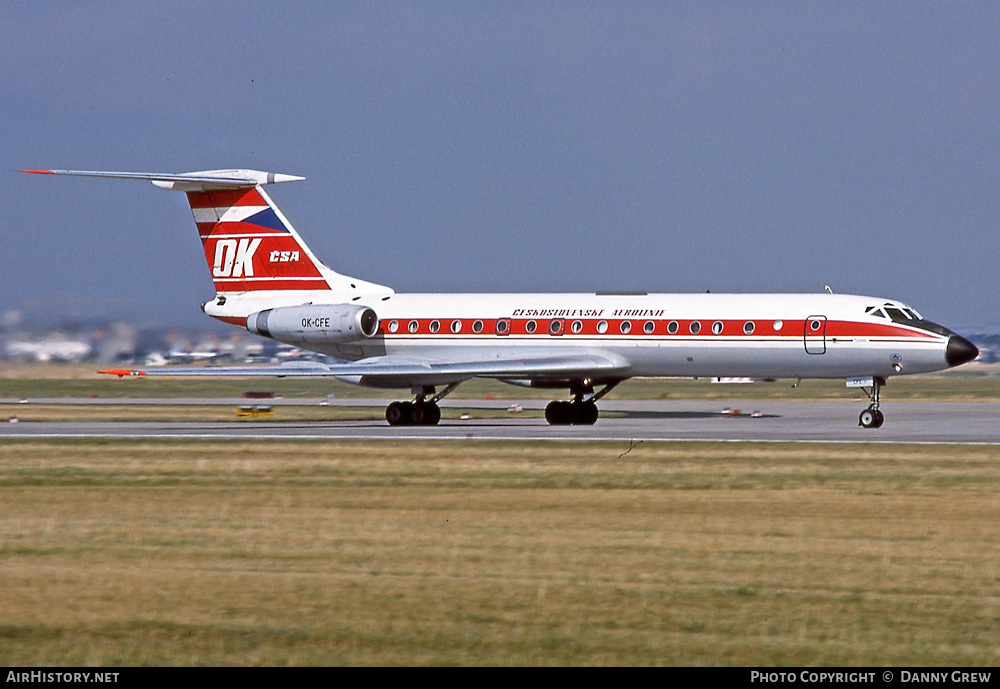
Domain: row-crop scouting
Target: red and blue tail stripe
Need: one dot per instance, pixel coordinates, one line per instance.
(249, 246)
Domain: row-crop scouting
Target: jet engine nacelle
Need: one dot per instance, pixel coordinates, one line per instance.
(314, 323)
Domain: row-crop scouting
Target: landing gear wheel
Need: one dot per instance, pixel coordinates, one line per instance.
(585, 414)
(871, 418)
(425, 414)
(418, 414)
(422, 411)
(582, 411)
(398, 413)
(557, 413)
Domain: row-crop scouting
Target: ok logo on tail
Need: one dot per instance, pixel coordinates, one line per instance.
(234, 260)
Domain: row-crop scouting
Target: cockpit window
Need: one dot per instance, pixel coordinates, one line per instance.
(878, 313)
(911, 318)
(896, 315)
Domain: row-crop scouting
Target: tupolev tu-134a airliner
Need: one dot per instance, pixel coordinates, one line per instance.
(269, 282)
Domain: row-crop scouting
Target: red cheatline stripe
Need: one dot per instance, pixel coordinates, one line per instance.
(732, 330)
(39, 172)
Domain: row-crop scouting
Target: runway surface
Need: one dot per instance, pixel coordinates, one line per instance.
(625, 420)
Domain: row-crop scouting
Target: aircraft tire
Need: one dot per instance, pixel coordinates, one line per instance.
(425, 414)
(418, 414)
(867, 418)
(557, 413)
(398, 414)
(587, 414)
(871, 418)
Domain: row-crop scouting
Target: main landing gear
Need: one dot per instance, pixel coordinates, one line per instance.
(872, 417)
(575, 413)
(582, 411)
(422, 411)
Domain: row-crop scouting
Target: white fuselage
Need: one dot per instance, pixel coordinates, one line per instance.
(690, 335)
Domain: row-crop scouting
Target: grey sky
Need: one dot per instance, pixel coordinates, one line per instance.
(503, 146)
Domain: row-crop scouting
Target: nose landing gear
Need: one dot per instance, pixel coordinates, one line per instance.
(872, 417)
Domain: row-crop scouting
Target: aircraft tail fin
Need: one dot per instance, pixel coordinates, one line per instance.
(249, 244)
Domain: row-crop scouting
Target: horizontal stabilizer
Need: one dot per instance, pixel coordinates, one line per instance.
(250, 246)
(205, 180)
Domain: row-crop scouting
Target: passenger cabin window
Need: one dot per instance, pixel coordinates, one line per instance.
(393, 326)
(748, 328)
(672, 327)
(530, 326)
(577, 327)
(412, 327)
(649, 327)
(602, 327)
(435, 326)
(456, 326)
(695, 327)
(717, 328)
(477, 327)
(625, 327)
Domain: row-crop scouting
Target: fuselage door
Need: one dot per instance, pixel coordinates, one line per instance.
(815, 335)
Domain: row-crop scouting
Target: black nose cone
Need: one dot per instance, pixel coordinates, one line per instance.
(960, 351)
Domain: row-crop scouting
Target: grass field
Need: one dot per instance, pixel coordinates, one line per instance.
(120, 552)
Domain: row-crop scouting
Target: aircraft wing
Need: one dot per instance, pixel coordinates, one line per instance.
(405, 372)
